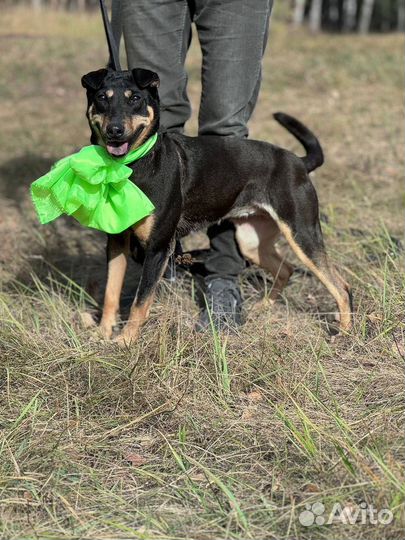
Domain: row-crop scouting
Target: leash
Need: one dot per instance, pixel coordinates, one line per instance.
(112, 46)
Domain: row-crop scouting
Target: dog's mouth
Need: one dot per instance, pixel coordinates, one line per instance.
(120, 148)
(117, 149)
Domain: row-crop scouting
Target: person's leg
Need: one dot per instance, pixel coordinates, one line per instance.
(224, 258)
(157, 34)
(233, 36)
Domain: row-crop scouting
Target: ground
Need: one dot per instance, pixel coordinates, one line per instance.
(197, 435)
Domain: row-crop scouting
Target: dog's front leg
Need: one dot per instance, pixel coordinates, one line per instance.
(117, 255)
(153, 267)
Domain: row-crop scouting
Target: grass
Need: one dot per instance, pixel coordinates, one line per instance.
(189, 435)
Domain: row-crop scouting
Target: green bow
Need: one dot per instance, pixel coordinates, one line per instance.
(95, 189)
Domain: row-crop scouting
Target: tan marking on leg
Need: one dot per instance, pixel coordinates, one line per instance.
(116, 272)
(143, 229)
(256, 237)
(137, 318)
(329, 277)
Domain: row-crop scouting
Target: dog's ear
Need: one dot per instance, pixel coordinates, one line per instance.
(145, 78)
(93, 80)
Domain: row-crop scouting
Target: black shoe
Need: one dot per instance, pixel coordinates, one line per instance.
(222, 304)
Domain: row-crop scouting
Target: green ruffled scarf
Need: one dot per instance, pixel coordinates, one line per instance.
(95, 189)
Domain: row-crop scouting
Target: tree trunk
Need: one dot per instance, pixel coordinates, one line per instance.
(365, 16)
(401, 16)
(350, 10)
(299, 11)
(333, 12)
(315, 15)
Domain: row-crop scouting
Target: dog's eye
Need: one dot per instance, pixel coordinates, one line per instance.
(134, 98)
(102, 97)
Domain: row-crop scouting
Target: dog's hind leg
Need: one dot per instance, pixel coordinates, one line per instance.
(320, 267)
(256, 237)
(300, 225)
(117, 255)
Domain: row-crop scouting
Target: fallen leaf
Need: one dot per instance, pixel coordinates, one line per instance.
(311, 488)
(137, 460)
(255, 395)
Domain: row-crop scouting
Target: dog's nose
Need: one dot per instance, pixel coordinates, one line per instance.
(115, 130)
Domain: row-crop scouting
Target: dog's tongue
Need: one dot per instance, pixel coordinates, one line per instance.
(120, 150)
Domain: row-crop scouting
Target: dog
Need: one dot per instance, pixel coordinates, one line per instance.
(195, 181)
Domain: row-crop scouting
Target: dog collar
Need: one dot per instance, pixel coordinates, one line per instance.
(95, 189)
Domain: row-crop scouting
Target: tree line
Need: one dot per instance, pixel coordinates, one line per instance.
(361, 16)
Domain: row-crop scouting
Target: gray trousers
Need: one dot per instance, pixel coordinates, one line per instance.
(233, 36)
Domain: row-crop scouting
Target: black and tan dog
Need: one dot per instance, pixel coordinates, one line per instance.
(194, 181)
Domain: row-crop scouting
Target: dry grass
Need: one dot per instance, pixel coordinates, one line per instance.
(187, 435)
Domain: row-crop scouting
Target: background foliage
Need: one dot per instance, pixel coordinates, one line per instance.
(331, 15)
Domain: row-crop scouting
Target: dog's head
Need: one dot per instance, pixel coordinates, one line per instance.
(123, 108)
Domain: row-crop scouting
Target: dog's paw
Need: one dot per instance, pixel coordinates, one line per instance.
(126, 339)
(106, 329)
(87, 320)
(264, 304)
(339, 338)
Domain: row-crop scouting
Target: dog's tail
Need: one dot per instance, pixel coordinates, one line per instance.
(314, 157)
